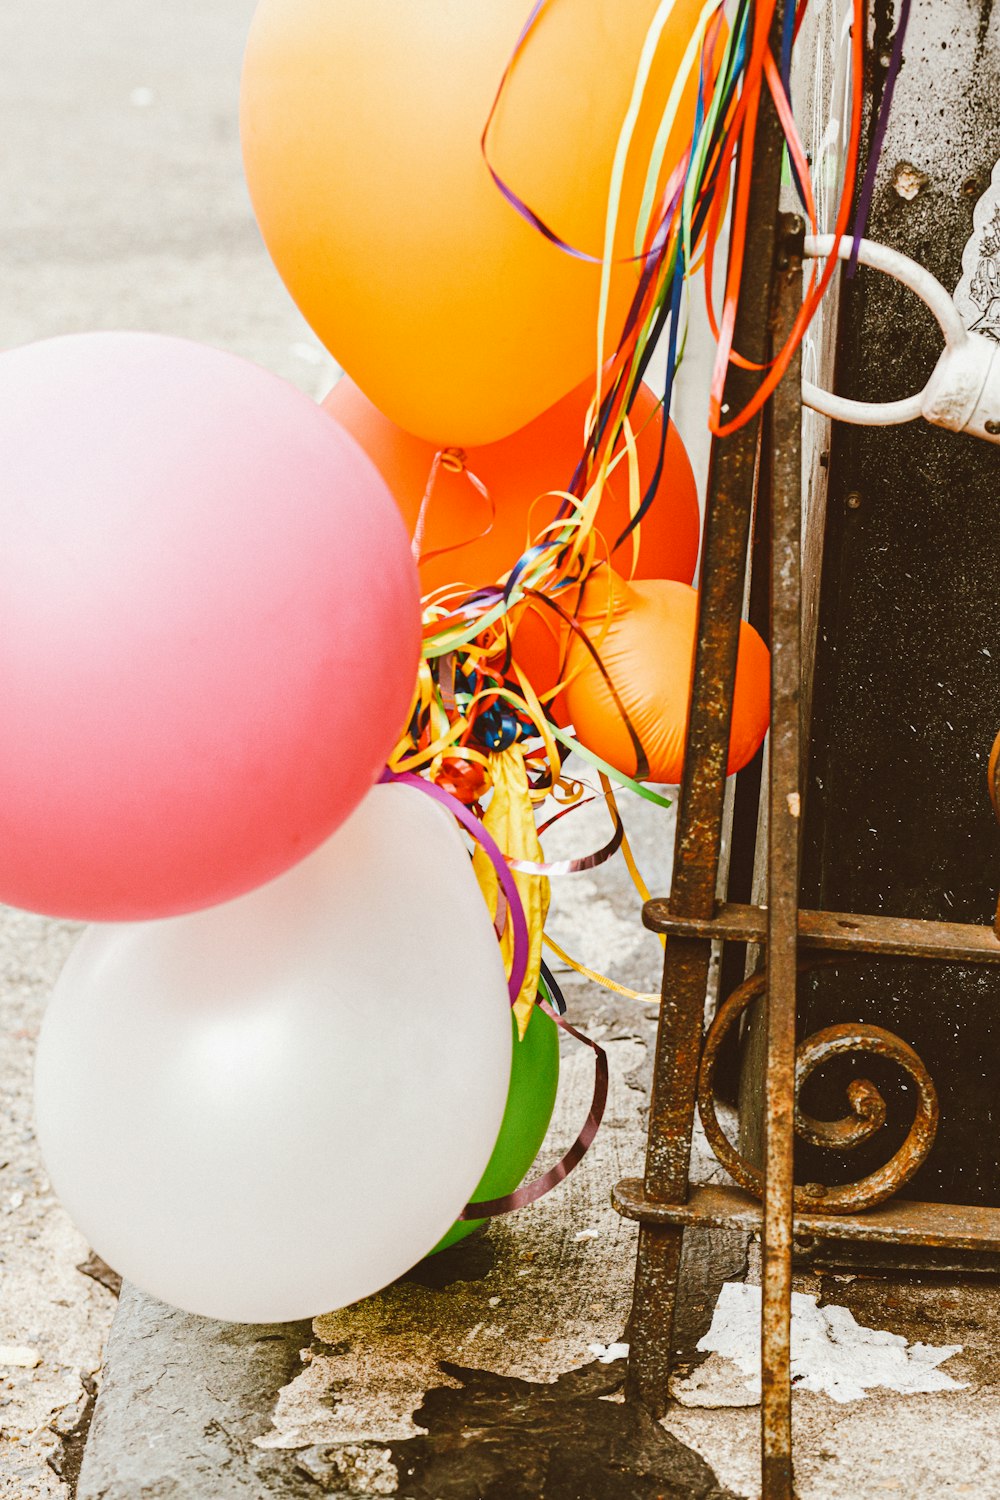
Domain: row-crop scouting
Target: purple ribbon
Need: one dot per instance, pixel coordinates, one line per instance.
(528, 1192)
(516, 202)
(472, 825)
(878, 139)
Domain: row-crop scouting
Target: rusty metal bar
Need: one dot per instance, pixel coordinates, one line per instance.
(833, 931)
(783, 856)
(699, 824)
(902, 1221)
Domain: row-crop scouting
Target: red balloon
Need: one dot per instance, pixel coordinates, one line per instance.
(472, 540)
(648, 655)
(209, 626)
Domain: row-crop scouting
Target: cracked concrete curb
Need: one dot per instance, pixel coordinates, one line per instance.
(187, 1407)
(181, 1402)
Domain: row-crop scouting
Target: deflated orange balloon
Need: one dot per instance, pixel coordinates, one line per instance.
(361, 123)
(470, 539)
(648, 655)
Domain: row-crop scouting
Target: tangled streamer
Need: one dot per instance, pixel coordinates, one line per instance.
(473, 705)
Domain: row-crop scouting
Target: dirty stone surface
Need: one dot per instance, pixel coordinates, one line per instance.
(181, 1402)
(947, 1444)
(481, 1373)
(53, 1317)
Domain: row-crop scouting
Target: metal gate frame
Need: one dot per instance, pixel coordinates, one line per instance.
(663, 1201)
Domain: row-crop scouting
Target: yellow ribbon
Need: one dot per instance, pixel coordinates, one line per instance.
(511, 820)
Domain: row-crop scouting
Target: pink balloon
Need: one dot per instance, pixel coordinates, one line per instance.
(209, 626)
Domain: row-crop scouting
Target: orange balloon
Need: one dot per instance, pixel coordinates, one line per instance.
(472, 540)
(648, 655)
(361, 123)
(456, 545)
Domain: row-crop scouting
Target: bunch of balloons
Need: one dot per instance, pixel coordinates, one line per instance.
(278, 1068)
(469, 216)
(211, 633)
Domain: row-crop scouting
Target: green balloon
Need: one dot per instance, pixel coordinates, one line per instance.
(534, 1079)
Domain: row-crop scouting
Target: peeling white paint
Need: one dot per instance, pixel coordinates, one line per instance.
(606, 1354)
(908, 180)
(15, 1355)
(832, 1353)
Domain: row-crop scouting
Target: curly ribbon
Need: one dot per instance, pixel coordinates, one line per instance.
(511, 821)
(618, 840)
(731, 78)
(507, 192)
(530, 1192)
(471, 700)
(596, 978)
(818, 285)
(550, 988)
(476, 702)
(527, 1192)
(630, 861)
(582, 861)
(455, 462)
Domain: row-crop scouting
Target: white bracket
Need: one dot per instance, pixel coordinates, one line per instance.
(963, 392)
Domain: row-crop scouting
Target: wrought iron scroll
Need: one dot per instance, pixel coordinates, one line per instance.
(866, 1118)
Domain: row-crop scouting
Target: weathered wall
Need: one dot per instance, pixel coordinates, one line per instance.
(907, 699)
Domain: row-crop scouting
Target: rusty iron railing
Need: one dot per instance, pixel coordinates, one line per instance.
(702, 794)
(794, 940)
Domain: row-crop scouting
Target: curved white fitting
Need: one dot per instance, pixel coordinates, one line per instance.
(963, 392)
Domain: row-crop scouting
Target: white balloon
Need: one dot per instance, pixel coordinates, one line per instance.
(275, 1107)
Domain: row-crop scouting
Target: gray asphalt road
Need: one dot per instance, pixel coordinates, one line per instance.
(121, 184)
(122, 205)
